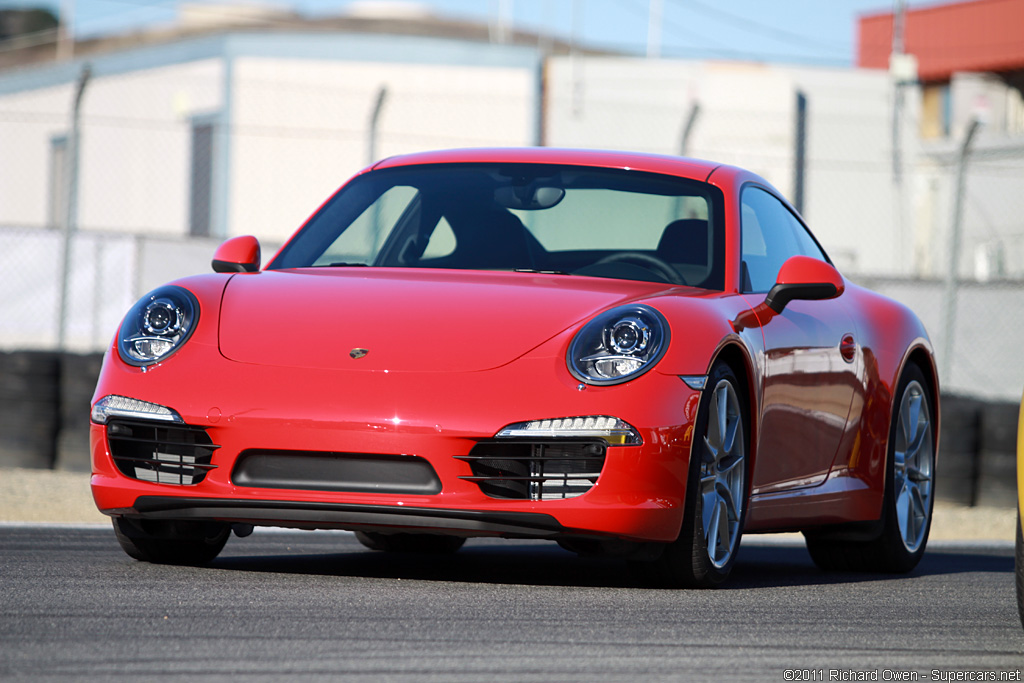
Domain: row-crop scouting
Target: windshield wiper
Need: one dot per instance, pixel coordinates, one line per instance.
(541, 272)
(338, 264)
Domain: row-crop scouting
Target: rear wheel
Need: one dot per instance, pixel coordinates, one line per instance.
(432, 544)
(908, 499)
(171, 541)
(716, 494)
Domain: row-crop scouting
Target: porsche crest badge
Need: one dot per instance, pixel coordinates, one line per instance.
(358, 353)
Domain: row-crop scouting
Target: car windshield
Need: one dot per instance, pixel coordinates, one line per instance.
(524, 217)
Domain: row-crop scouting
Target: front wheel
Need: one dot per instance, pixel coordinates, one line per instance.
(716, 493)
(172, 541)
(909, 487)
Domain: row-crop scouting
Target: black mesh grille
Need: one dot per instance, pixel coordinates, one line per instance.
(535, 470)
(161, 453)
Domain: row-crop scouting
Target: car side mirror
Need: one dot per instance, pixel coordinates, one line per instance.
(803, 277)
(237, 255)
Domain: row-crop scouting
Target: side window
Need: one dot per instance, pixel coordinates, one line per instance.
(770, 235)
(363, 237)
(442, 241)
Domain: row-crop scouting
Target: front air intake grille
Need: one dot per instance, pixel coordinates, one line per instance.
(162, 453)
(347, 472)
(535, 470)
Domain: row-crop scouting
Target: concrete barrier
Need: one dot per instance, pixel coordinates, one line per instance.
(29, 400)
(78, 375)
(956, 479)
(997, 455)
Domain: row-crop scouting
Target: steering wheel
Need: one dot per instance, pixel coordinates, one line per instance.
(652, 263)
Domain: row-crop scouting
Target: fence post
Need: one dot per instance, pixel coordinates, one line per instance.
(688, 126)
(800, 152)
(952, 275)
(69, 220)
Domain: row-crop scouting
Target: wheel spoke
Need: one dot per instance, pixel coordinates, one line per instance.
(731, 430)
(723, 540)
(710, 520)
(903, 510)
(918, 502)
(725, 494)
(722, 417)
(915, 445)
(729, 464)
(710, 454)
(917, 475)
(910, 416)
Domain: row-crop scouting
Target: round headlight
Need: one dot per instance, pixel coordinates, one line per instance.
(628, 336)
(618, 345)
(157, 325)
(162, 318)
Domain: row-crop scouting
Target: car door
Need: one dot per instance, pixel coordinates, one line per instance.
(809, 363)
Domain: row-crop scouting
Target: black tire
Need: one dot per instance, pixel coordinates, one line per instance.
(171, 542)
(424, 544)
(909, 486)
(720, 476)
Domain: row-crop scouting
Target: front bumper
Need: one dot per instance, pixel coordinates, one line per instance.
(435, 417)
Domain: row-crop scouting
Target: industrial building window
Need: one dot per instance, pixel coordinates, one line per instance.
(58, 200)
(201, 181)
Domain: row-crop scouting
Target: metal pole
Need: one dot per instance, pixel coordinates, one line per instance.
(691, 122)
(800, 152)
(69, 219)
(896, 66)
(899, 12)
(378, 105)
(952, 274)
(684, 145)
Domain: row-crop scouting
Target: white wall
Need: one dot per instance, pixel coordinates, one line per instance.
(28, 121)
(747, 118)
(851, 197)
(134, 147)
(301, 126)
(136, 151)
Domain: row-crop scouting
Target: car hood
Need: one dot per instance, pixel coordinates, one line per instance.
(406, 319)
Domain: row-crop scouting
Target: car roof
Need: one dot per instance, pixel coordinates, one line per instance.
(654, 163)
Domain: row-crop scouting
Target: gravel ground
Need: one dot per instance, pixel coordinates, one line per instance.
(63, 497)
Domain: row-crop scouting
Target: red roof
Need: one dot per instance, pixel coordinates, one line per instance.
(981, 35)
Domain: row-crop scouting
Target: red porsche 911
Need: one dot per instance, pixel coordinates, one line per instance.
(631, 355)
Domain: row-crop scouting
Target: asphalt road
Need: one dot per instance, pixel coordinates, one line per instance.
(314, 605)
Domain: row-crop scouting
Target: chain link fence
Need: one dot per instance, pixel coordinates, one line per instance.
(108, 272)
(156, 194)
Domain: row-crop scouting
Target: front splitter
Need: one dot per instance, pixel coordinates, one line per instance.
(304, 515)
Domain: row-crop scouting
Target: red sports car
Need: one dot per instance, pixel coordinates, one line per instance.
(631, 355)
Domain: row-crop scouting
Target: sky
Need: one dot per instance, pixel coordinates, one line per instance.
(802, 31)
